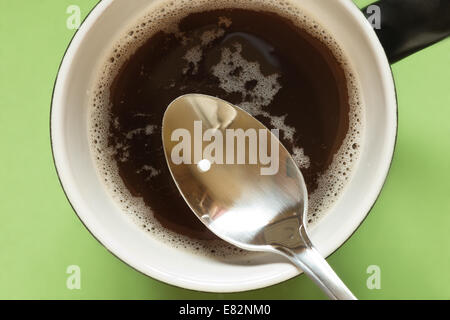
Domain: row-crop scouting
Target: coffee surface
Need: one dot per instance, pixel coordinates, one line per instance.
(257, 60)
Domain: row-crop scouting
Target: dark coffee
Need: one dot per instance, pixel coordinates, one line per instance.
(258, 60)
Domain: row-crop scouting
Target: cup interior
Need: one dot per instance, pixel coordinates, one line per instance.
(98, 211)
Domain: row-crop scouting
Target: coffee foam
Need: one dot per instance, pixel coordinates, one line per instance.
(164, 16)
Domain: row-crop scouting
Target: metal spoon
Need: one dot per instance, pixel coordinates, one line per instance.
(235, 201)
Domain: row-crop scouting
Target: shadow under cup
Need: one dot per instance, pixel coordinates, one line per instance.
(105, 220)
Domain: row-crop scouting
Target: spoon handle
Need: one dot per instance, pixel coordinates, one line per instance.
(316, 267)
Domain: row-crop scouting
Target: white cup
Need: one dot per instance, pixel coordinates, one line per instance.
(104, 219)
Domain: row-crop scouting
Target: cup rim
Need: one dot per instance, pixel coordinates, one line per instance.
(72, 48)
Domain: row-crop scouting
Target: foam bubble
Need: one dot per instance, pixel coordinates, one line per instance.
(164, 15)
(193, 57)
(300, 158)
(153, 172)
(237, 75)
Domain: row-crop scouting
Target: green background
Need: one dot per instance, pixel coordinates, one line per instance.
(406, 234)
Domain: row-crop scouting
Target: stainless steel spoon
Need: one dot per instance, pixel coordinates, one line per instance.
(235, 201)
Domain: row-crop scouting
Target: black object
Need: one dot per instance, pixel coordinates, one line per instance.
(408, 26)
